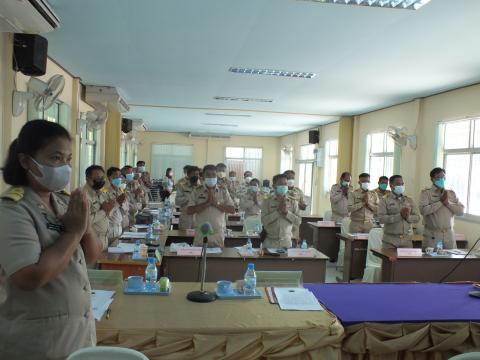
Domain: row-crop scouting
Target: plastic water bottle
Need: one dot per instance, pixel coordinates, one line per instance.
(156, 225)
(250, 280)
(304, 244)
(439, 246)
(136, 250)
(149, 236)
(151, 273)
(249, 247)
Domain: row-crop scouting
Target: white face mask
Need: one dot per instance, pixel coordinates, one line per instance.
(122, 186)
(141, 169)
(248, 179)
(345, 183)
(53, 178)
(210, 182)
(291, 183)
(233, 178)
(221, 174)
(399, 189)
(365, 186)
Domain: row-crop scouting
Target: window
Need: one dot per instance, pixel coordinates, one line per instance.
(305, 170)
(331, 164)
(58, 113)
(88, 150)
(170, 156)
(286, 159)
(459, 147)
(241, 159)
(380, 155)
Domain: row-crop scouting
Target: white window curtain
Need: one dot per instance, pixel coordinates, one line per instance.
(380, 156)
(170, 156)
(241, 159)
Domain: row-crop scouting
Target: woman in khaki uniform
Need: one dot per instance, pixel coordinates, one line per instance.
(45, 243)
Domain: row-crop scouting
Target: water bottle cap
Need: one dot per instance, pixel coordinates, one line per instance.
(251, 266)
(137, 242)
(151, 260)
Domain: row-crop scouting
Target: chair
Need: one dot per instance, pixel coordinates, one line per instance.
(327, 216)
(373, 265)
(345, 229)
(106, 353)
(467, 356)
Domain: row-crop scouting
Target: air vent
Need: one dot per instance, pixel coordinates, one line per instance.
(281, 73)
(229, 98)
(392, 4)
(228, 115)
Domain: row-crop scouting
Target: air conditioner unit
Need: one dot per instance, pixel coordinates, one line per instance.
(106, 95)
(138, 125)
(209, 136)
(27, 16)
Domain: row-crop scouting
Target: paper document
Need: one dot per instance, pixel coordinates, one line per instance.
(101, 300)
(456, 252)
(141, 226)
(214, 250)
(121, 248)
(297, 299)
(133, 235)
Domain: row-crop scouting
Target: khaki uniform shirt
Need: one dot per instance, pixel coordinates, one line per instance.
(98, 218)
(211, 214)
(438, 218)
(380, 193)
(277, 226)
(52, 321)
(359, 213)
(184, 194)
(247, 203)
(296, 194)
(232, 188)
(397, 231)
(242, 189)
(119, 216)
(339, 202)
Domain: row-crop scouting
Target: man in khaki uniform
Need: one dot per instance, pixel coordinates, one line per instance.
(339, 197)
(295, 193)
(210, 203)
(251, 202)
(242, 188)
(222, 176)
(136, 197)
(184, 194)
(279, 214)
(438, 207)
(119, 216)
(362, 205)
(100, 207)
(397, 212)
(233, 184)
(382, 188)
(184, 180)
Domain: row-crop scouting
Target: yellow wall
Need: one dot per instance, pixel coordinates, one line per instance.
(212, 151)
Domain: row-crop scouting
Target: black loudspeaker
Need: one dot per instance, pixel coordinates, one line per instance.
(30, 54)
(313, 137)
(126, 125)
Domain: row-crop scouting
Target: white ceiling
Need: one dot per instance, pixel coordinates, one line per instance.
(170, 58)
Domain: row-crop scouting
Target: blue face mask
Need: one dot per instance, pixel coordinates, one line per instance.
(383, 186)
(117, 182)
(440, 183)
(211, 182)
(129, 177)
(253, 188)
(282, 190)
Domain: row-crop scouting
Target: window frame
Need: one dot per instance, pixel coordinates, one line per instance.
(384, 154)
(326, 170)
(307, 162)
(259, 175)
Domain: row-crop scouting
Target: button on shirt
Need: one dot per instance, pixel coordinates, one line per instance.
(279, 226)
(339, 202)
(211, 214)
(359, 212)
(48, 322)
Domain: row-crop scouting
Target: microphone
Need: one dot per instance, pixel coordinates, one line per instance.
(203, 296)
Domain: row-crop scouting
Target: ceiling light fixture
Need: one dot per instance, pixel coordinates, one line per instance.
(229, 98)
(232, 115)
(392, 4)
(214, 124)
(281, 73)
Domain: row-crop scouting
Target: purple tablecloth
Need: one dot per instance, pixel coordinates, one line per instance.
(393, 303)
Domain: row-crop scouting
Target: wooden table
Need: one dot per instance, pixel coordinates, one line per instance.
(325, 239)
(235, 225)
(237, 238)
(124, 263)
(231, 266)
(306, 231)
(427, 268)
(234, 217)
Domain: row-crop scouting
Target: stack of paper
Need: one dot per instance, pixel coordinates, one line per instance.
(121, 248)
(296, 299)
(456, 252)
(133, 235)
(214, 250)
(101, 300)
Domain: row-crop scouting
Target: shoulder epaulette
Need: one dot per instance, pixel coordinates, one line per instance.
(63, 192)
(15, 193)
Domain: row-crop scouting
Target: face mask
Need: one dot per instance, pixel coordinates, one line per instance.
(365, 186)
(210, 182)
(141, 169)
(345, 183)
(266, 190)
(117, 182)
(129, 177)
(291, 183)
(248, 179)
(282, 190)
(233, 178)
(98, 184)
(440, 183)
(123, 186)
(221, 174)
(383, 186)
(53, 178)
(194, 180)
(253, 188)
(399, 189)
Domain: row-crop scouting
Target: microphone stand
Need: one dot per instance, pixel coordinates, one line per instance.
(202, 296)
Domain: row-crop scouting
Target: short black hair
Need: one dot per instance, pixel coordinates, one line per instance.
(363, 175)
(286, 172)
(221, 165)
(209, 167)
(192, 169)
(111, 170)
(92, 168)
(256, 180)
(125, 168)
(394, 177)
(247, 171)
(266, 183)
(34, 136)
(383, 177)
(436, 171)
(345, 173)
(140, 162)
(278, 177)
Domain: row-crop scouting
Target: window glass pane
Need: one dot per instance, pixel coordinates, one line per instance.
(332, 147)
(390, 144)
(234, 152)
(254, 166)
(301, 176)
(253, 153)
(307, 190)
(377, 143)
(306, 152)
(333, 172)
(477, 134)
(388, 171)
(456, 166)
(285, 160)
(376, 168)
(474, 203)
(170, 156)
(457, 135)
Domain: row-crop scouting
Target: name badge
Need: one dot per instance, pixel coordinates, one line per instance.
(300, 253)
(409, 252)
(189, 251)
